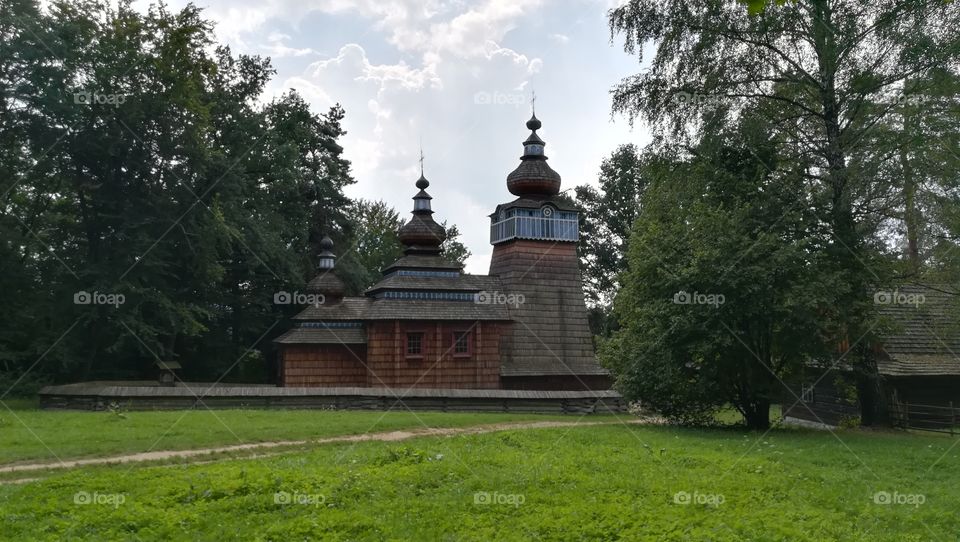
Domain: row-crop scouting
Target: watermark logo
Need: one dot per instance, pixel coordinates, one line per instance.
(708, 499)
(89, 97)
(886, 498)
(696, 298)
(694, 98)
(98, 298)
(103, 499)
(284, 498)
(499, 298)
(487, 498)
(895, 297)
(496, 97)
(298, 298)
(905, 99)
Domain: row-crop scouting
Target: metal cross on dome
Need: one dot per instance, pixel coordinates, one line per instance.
(421, 157)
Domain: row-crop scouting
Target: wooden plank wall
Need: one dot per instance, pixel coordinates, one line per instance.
(148, 399)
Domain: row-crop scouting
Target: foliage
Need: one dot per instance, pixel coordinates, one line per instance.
(607, 214)
(827, 76)
(140, 160)
(375, 244)
(453, 248)
(725, 283)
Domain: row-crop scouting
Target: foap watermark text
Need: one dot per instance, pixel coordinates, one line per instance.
(499, 298)
(488, 498)
(298, 298)
(708, 499)
(696, 298)
(889, 498)
(97, 498)
(895, 297)
(308, 499)
(496, 97)
(98, 298)
(90, 97)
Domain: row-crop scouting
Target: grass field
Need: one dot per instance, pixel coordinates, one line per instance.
(42, 435)
(611, 482)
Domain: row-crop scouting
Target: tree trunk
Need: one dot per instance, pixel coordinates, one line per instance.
(911, 219)
(757, 415)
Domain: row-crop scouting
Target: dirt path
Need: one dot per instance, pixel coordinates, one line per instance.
(387, 436)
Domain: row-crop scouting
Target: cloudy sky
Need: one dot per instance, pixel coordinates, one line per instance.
(456, 75)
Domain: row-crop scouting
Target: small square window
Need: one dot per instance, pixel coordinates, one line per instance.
(462, 344)
(414, 346)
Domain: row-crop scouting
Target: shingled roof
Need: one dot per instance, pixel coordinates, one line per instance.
(350, 309)
(308, 335)
(366, 308)
(459, 283)
(925, 336)
(423, 262)
(527, 202)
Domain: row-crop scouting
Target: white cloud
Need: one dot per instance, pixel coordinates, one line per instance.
(353, 58)
(411, 69)
(277, 49)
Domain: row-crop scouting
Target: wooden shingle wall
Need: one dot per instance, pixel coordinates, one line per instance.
(438, 368)
(331, 365)
(551, 334)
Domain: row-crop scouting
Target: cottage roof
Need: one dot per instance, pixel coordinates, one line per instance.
(925, 331)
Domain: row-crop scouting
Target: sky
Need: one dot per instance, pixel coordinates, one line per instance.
(452, 74)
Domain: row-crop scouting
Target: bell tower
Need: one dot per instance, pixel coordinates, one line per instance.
(534, 240)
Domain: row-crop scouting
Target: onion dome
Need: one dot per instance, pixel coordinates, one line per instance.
(326, 282)
(325, 260)
(421, 235)
(533, 177)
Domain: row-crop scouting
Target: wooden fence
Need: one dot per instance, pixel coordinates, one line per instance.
(937, 418)
(99, 395)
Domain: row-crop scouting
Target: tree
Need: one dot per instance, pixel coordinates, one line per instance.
(917, 148)
(375, 244)
(608, 213)
(813, 67)
(137, 162)
(453, 249)
(724, 284)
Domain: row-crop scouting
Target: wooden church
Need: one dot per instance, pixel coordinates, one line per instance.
(427, 324)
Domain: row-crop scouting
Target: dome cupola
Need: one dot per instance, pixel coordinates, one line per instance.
(533, 177)
(326, 283)
(422, 235)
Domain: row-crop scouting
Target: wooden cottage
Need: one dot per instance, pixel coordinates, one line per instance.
(427, 324)
(918, 364)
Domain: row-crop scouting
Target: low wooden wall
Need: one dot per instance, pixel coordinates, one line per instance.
(97, 396)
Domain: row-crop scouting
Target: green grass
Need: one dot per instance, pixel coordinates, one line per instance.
(29, 434)
(586, 483)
